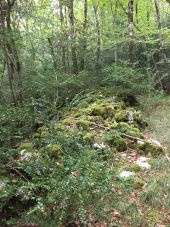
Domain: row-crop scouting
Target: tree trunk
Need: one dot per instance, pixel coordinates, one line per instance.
(158, 17)
(82, 61)
(114, 26)
(10, 52)
(130, 29)
(63, 43)
(73, 36)
(98, 53)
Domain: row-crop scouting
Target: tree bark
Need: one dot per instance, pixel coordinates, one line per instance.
(73, 36)
(130, 29)
(11, 52)
(63, 43)
(98, 52)
(158, 17)
(82, 61)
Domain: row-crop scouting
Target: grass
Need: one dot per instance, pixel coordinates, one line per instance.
(157, 192)
(158, 117)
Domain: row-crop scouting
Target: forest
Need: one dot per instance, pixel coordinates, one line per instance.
(84, 113)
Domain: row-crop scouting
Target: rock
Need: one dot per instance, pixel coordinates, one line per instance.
(142, 162)
(155, 142)
(143, 159)
(25, 155)
(126, 174)
(152, 148)
(99, 146)
(28, 146)
(2, 185)
(116, 141)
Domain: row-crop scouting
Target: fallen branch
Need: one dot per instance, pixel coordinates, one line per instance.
(167, 157)
(132, 137)
(19, 173)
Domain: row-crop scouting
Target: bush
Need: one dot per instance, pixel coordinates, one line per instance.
(129, 79)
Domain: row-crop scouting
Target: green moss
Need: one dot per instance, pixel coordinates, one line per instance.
(104, 112)
(69, 121)
(37, 135)
(152, 162)
(28, 146)
(83, 124)
(89, 137)
(54, 150)
(3, 170)
(116, 141)
(121, 115)
(43, 132)
(135, 167)
(138, 183)
(139, 119)
(147, 148)
(153, 216)
(135, 132)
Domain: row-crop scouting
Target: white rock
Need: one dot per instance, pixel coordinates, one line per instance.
(143, 159)
(25, 155)
(126, 174)
(143, 165)
(139, 142)
(2, 185)
(100, 146)
(155, 142)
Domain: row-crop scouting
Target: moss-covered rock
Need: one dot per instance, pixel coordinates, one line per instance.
(89, 137)
(149, 148)
(138, 183)
(116, 141)
(135, 132)
(139, 119)
(103, 111)
(121, 115)
(153, 216)
(42, 132)
(135, 167)
(82, 123)
(28, 146)
(54, 150)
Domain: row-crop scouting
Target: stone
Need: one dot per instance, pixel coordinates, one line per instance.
(142, 162)
(126, 174)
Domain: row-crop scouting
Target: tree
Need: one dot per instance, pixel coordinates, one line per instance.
(10, 51)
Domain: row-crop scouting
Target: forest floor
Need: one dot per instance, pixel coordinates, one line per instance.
(157, 193)
(89, 132)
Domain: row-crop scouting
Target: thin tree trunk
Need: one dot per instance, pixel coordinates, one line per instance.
(114, 25)
(82, 61)
(136, 9)
(73, 36)
(11, 53)
(63, 43)
(98, 53)
(148, 14)
(130, 29)
(158, 17)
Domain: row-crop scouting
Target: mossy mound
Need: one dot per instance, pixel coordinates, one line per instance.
(28, 146)
(54, 150)
(149, 148)
(100, 119)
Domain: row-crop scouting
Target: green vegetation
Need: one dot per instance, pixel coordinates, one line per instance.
(84, 118)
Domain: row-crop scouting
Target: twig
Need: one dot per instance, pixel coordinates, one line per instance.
(167, 157)
(132, 137)
(18, 173)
